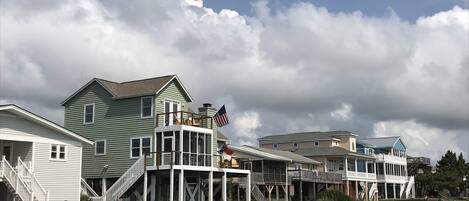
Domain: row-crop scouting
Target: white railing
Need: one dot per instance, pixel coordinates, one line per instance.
(87, 188)
(410, 185)
(373, 190)
(124, 182)
(31, 181)
(13, 179)
(257, 194)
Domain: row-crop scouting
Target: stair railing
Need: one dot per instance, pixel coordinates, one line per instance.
(372, 191)
(30, 179)
(88, 188)
(125, 181)
(15, 181)
(410, 185)
(257, 194)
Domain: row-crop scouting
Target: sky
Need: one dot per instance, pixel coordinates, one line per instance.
(375, 69)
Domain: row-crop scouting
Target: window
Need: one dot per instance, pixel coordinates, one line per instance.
(353, 146)
(88, 114)
(146, 107)
(316, 143)
(100, 147)
(57, 152)
(274, 146)
(140, 146)
(295, 145)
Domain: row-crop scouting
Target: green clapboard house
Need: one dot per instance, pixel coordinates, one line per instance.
(121, 119)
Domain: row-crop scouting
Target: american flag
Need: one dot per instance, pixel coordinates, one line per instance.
(221, 118)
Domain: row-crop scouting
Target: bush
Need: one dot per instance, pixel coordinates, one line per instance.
(333, 195)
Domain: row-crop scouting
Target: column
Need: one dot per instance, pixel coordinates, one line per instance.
(152, 187)
(103, 186)
(223, 187)
(356, 169)
(366, 168)
(171, 184)
(181, 186)
(145, 185)
(286, 183)
(314, 191)
(248, 187)
(356, 185)
(345, 166)
(347, 188)
(394, 190)
(325, 164)
(366, 190)
(276, 192)
(210, 186)
(385, 190)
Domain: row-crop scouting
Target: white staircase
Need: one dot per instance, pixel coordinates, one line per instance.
(409, 186)
(124, 182)
(257, 194)
(372, 191)
(22, 182)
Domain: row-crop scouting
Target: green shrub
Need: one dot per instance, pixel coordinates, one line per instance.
(333, 195)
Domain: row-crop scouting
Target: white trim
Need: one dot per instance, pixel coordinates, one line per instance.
(95, 147)
(180, 83)
(141, 107)
(316, 145)
(172, 102)
(274, 146)
(38, 119)
(84, 113)
(58, 152)
(140, 147)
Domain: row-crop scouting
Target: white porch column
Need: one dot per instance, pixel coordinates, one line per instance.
(181, 186)
(345, 166)
(366, 168)
(248, 187)
(103, 186)
(394, 190)
(210, 186)
(171, 184)
(145, 185)
(325, 164)
(385, 190)
(356, 169)
(223, 186)
(152, 187)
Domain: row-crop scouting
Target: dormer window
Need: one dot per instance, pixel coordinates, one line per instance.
(146, 107)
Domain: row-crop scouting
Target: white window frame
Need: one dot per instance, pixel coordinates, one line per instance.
(295, 145)
(95, 147)
(140, 147)
(58, 152)
(84, 113)
(141, 107)
(316, 143)
(274, 146)
(171, 103)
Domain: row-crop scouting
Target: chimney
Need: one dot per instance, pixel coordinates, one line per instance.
(208, 110)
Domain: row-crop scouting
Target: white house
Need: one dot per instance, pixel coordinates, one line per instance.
(40, 159)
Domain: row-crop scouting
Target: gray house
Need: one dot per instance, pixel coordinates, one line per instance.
(40, 159)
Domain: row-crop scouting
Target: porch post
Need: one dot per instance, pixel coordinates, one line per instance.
(385, 190)
(181, 185)
(152, 187)
(394, 190)
(171, 184)
(103, 186)
(223, 187)
(210, 186)
(356, 185)
(145, 184)
(248, 187)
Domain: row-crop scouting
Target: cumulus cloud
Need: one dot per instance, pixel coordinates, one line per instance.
(298, 68)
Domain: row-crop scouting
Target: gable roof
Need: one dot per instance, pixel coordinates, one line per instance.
(330, 151)
(275, 155)
(136, 88)
(381, 142)
(42, 121)
(305, 136)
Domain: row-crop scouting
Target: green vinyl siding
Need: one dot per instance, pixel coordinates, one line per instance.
(116, 121)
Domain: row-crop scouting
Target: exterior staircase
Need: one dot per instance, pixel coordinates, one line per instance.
(409, 186)
(22, 182)
(372, 191)
(257, 194)
(124, 182)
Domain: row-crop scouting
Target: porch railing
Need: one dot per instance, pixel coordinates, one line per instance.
(183, 118)
(14, 180)
(316, 176)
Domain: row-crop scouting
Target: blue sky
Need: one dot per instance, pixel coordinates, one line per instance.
(405, 9)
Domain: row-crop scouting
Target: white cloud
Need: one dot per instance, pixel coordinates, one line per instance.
(282, 64)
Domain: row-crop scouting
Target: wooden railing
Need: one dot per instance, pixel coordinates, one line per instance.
(268, 178)
(183, 118)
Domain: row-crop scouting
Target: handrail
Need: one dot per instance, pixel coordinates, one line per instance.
(15, 181)
(88, 188)
(34, 184)
(125, 181)
(184, 118)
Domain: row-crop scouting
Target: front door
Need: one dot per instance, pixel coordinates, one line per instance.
(171, 108)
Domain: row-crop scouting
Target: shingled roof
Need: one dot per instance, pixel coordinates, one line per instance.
(304, 136)
(136, 88)
(380, 142)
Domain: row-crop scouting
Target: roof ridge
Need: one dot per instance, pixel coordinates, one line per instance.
(306, 132)
(397, 136)
(101, 79)
(139, 80)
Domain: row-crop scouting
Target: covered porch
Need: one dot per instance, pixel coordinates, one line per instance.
(11, 150)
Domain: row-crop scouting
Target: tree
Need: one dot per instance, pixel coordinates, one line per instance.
(451, 170)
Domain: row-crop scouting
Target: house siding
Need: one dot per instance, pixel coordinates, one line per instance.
(116, 121)
(60, 178)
